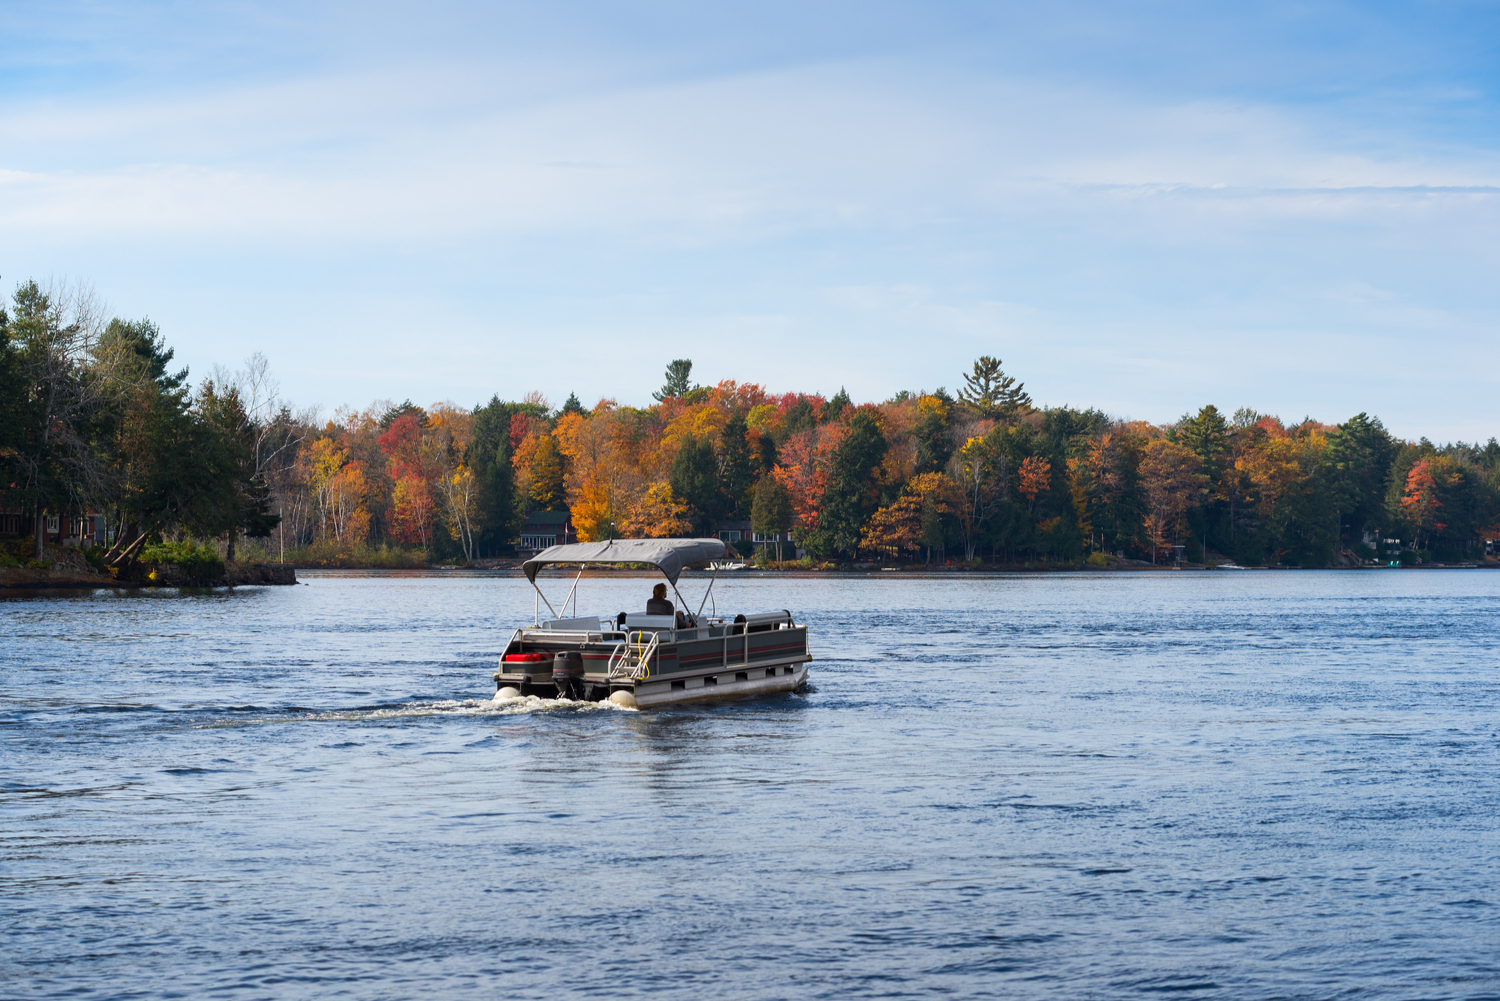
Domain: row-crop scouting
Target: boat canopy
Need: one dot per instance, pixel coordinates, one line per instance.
(667, 555)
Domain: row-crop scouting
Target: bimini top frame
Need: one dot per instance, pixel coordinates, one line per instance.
(669, 556)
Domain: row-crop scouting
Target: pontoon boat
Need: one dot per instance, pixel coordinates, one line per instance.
(641, 659)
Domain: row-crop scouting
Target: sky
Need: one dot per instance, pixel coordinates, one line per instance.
(1141, 207)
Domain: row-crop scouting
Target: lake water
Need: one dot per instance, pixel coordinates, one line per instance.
(1205, 785)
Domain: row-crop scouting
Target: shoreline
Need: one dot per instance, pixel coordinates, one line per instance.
(162, 575)
(13, 580)
(866, 569)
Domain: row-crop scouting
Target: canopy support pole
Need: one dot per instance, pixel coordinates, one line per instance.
(680, 598)
(543, 597)
(571, 590)
(708, 592)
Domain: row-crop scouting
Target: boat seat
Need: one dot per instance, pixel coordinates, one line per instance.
(587, 624)
(640, 620)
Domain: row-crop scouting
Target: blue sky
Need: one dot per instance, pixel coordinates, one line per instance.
(1141, 207)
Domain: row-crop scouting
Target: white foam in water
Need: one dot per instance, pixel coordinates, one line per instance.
(475, 707)
(517, 706)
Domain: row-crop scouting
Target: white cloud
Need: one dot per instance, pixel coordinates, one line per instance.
(878, 221)
(413, 155)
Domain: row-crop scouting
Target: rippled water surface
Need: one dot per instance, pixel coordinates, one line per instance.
(1251, 785)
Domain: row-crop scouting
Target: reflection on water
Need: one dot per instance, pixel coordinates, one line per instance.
(1246, 785)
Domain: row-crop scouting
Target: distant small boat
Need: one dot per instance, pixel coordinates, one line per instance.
(1230, 566)
(726, 566)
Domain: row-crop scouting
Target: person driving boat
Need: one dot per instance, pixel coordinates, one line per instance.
(658, 604)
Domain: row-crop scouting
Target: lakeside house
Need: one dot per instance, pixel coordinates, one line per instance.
(76, 530)
(746, 541)
(734, 532)
(545, 528)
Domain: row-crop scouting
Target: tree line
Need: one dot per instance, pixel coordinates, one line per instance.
(92, 417)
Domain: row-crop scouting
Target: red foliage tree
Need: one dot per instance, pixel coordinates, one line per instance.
(1420, 500)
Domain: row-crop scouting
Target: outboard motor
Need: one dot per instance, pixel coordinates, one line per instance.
(567, 674)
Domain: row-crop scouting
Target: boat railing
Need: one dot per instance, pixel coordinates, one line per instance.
(568, 635)
(631, 658)
(521, 632)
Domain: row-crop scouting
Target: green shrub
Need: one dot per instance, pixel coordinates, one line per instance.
(1098, 560)
(7, 560)
(199, 562)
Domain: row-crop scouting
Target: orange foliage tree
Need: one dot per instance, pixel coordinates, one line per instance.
(906, 525)
(1036, 479)
(1173, 485)
(1420, 502)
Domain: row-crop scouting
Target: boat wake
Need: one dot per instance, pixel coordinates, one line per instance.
(517, 706)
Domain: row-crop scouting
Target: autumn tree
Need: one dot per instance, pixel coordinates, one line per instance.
(602, 481)
(931, 432)
(1170, 472)
(413, 502)
(914, 521)
(981, 473)
(1421, 502)
(1035, 479)
(546, 486)
(1289, 476)
(658, 514)
(412, 511)
(460, 491)
(342, 491)
(803, 468)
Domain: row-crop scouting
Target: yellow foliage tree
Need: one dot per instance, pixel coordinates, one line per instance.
(461, 504)
(658, 515)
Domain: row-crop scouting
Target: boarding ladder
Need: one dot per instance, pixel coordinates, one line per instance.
(631, 660)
